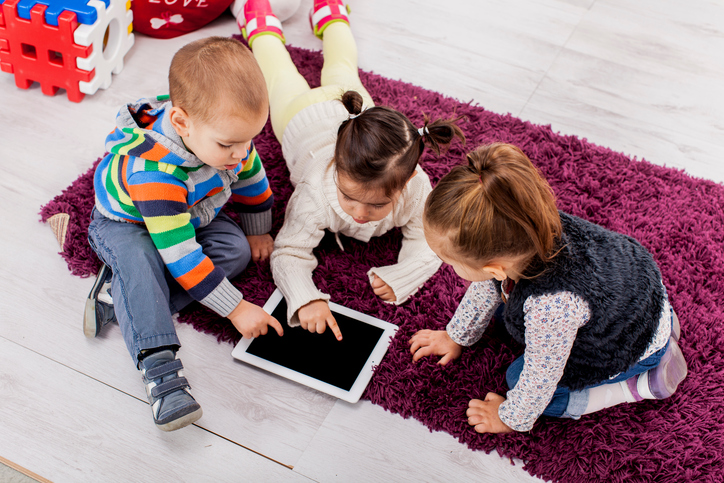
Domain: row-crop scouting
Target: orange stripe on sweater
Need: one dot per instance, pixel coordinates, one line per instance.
(254, 200)
(158, 191)
(155, 153)
(195, 276)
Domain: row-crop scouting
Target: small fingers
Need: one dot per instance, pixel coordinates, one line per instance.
(422, 352)
(276, 325)
(335, 328)
(483, 427)
(476, 403)
(414, 345)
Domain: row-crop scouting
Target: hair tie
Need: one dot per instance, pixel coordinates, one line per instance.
(354, 116)
(423, 130)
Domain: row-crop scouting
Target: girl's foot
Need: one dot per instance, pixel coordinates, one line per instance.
(326, 12)
(259, 19)
(661, 381)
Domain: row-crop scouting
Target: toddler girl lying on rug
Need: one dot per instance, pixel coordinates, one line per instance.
(354, 166)
(588, 303)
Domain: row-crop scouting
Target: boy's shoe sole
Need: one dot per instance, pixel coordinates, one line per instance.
(91, 322)
(182, 421)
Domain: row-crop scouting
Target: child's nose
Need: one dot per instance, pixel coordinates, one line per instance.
(241, 152)
(361, 210)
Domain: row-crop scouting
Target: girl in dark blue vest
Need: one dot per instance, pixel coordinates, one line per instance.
(588, 303)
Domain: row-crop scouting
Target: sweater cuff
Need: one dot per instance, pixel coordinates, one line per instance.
(223, 299)
(256, 223)
(405, 278)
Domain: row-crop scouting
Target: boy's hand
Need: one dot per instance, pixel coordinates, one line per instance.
(316, 316)
(484, 414)
(261, 246)
(382, 290)
(434, 342)
(252, 321)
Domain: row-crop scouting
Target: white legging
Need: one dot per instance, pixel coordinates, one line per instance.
(289, 92)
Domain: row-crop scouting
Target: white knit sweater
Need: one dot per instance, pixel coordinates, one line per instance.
(308, 148)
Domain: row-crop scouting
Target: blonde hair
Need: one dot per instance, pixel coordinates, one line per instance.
(212, 75)
(498, 205)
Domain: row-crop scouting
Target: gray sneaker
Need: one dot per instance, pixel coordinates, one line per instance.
(168, 393)
(99, 304)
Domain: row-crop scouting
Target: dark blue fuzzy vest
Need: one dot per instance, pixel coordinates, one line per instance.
(622, 285)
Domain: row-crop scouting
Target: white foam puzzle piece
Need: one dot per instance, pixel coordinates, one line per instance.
(111, 41)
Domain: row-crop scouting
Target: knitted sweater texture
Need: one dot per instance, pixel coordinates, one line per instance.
(308, 147)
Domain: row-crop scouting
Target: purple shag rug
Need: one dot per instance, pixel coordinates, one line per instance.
(678, 218)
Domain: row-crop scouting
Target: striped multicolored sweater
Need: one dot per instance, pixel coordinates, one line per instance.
(148, 176)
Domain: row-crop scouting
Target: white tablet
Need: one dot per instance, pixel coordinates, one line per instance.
(339, 368)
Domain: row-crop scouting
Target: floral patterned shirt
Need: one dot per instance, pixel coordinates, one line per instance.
(551, 324)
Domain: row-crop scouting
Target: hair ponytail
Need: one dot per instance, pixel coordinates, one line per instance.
(440, 133)
(497, 205)
(380, 147)
(352, 101)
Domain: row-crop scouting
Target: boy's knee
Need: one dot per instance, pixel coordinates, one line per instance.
(238, 257)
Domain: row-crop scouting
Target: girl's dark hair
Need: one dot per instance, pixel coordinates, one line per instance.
(380, 147)
(498, 205)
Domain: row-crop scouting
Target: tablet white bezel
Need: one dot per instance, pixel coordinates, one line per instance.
(365, 374)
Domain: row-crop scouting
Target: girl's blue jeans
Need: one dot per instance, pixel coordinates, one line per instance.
(566, 403)
(145, 295)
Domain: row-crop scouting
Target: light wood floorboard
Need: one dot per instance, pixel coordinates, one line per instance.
(643, 78)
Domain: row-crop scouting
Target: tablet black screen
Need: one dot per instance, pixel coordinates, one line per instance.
(320, 356)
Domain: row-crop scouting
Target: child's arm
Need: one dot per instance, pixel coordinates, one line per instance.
(416, 262)
(465, 328)
(161, 200)
(293, 260)
(551, 324)
(253, 201)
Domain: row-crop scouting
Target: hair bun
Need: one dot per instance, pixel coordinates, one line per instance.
(353, 102)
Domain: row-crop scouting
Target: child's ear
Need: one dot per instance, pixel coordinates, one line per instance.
(496, 270)
(180, 121)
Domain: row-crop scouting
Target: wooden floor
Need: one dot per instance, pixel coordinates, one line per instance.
(643, 77)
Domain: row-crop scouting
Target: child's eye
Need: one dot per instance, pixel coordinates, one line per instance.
(224, 146)
(378, 207)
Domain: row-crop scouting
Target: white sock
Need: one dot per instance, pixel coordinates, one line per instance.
(607, 395)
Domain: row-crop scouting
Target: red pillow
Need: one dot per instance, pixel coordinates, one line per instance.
(165, 19)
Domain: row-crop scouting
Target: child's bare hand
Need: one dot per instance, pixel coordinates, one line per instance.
(316, 316)
(252, 321)
(484, 414)
(261, 246)
(434, 342)
(382, 290)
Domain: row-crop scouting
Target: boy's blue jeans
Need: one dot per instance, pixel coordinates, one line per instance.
(145, 295)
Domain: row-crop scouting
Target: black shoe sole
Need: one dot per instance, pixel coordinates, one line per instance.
(91, 324)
